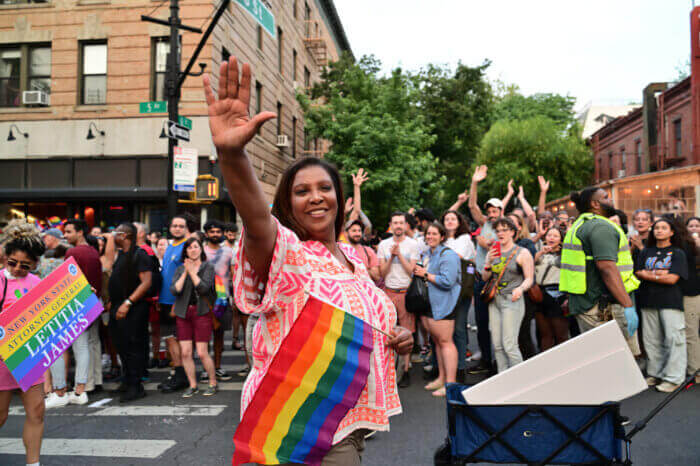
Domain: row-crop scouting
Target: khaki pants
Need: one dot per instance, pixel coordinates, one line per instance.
(691, 307)
(593, 318)
(348, 452)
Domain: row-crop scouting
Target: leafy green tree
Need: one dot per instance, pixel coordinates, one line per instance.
(515, 106)
(523, 149)
(459, 106)
(373, 123)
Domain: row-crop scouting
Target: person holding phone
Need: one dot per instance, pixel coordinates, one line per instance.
(552, 324)
(515, 267)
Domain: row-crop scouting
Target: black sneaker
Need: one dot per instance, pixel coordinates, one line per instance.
(243, 372)
(173, 384)
(204, 376)
(122, 388)
(132, 394)
(222, 375)
(405, 380)
(625, 421)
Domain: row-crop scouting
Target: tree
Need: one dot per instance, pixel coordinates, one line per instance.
(373, 123)
(515, 106)
(459, 107)
(522, 150)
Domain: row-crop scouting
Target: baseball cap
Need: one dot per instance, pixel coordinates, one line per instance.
(55, 232)
(494, 202)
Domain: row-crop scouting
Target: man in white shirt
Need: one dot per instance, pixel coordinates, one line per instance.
(398, 256)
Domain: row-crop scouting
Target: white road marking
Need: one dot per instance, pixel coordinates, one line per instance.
(153, 386)
(181, 410)
(230, 368)
(147, 449)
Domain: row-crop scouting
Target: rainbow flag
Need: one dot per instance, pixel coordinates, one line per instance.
(54, 222)
(221, 296)
(42, 324)
(315, 378)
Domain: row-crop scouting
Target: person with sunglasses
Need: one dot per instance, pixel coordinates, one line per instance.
(23, 247)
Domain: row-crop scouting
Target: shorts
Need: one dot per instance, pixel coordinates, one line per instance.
(451, 316)
(406, 319)
(194, 327)
(167, 323)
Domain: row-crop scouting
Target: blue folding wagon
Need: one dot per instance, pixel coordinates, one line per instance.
(537, 435)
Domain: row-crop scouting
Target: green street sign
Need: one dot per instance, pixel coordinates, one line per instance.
(153, 107)
(184, 121)
(260, 13)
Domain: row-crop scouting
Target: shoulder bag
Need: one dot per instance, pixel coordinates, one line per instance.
(535, 291)
(491, 287)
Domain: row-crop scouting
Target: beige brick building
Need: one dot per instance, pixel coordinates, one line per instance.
(87, 65)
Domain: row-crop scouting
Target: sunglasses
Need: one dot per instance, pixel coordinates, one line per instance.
(13, 263)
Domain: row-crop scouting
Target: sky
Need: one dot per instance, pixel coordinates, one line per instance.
(604, 51)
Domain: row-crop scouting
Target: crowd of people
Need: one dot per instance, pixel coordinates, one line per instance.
(533, 278)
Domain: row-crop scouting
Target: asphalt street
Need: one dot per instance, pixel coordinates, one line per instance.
(165, 429)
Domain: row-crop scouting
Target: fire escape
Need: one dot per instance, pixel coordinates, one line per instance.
(318, 48)
(316, 43)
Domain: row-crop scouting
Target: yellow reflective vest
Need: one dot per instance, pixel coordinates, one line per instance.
(573, 259)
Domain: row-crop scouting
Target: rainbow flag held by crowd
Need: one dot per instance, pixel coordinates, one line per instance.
(40, 326)
(54, 222)
(315, 378)
(221, 302)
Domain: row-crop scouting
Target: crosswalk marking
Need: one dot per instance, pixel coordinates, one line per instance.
(230, 368)
(138, 410)
(153, 386)
(145, 449)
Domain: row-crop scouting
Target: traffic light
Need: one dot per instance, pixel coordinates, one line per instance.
(207, 188)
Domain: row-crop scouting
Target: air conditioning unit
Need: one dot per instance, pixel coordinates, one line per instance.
(621, 173)
(282, 140)
(40, 98)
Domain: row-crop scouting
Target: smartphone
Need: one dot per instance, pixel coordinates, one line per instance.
(497, 249)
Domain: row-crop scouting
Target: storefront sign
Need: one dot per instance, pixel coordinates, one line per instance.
(42, 324)
(185, 169)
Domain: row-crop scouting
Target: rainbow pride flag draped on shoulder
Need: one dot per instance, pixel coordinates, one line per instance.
(315, 378)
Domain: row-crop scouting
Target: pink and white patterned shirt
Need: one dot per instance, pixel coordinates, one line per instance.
(300, 268)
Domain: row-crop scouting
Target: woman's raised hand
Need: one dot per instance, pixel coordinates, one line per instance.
(229, 120)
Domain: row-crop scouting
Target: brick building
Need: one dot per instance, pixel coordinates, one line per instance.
(89, 63)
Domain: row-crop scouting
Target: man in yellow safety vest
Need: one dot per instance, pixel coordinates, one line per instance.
(597, 267)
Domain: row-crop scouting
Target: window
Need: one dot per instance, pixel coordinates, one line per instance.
(306, 140)
(294, 137)
(258, 100)
(678, 147)
(10, 62)
(280, 54)
(260, 38)
(15, 2)
(294, 65)
(225, 54)
(294, 9)
(307, 12)
(40, 69)
(161, 49)
(307, 78)
(93, 79)
(23, 68)
(638, 150)
(599, 171)
(279, 118)
(610, 165)
(623, 158)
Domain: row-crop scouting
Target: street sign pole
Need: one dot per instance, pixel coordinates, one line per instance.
(173, 72)
(174, 78)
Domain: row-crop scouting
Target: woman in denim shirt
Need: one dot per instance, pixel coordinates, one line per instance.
(443, 275)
